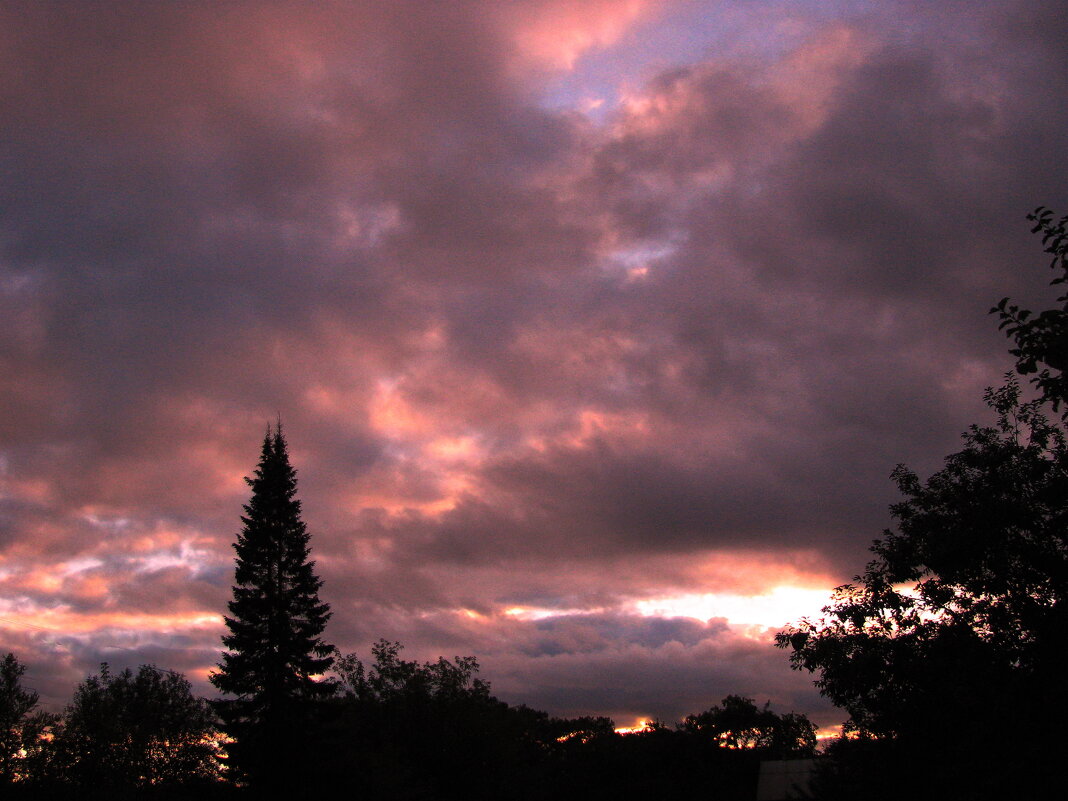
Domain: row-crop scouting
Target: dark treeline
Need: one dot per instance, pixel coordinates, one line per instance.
(392, 728)
(948, 654)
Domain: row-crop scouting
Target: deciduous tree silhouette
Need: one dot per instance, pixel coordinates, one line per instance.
(432, 730)
(128, 732)
(20, 725)
(739, 723)
(275, 649)
(976, 571)
(950, 649)
(1042, 339)
(953, 637)
(427, 730)
(390, 678)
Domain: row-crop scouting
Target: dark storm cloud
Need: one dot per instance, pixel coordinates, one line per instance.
(525, 358)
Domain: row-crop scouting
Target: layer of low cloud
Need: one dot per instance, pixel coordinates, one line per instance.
(558, 355)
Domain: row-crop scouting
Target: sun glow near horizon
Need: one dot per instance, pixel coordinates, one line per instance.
(773, 609)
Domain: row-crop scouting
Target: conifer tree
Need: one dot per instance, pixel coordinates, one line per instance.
(274, 648)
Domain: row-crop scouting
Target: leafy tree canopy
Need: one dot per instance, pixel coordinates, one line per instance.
(424, 730)
(951, 643)
(21, 726)
(390, 677)
(134, 730)
(1042, 339)
(739, 723)
(432, 729)
(967, 596)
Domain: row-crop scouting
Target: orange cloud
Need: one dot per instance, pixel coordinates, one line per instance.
(65, 620)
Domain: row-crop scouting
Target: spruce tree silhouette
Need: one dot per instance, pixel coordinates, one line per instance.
(275, 622)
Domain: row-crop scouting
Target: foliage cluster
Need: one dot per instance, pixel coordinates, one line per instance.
(948, 652)
(1042, 339)
(123, 735)
(738, 723)
(21, 724)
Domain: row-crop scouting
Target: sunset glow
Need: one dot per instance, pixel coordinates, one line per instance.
(640, 725)
(66, 621)
(773, 609)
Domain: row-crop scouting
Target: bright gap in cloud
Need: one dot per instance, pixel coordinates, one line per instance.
(781, 606)
(635, 261)
(535, 613)
(80, 565)
(186, 555)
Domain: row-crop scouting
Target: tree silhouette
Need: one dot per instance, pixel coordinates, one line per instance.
(978, 566)
(390, 678)
(432, 730)
(414, 730)
(956, 628)
(1042, 339)
(950, 646)
(20, 726)
(276, 618)
(739, 723)
(128, 732)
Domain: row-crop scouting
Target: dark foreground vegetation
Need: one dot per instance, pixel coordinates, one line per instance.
(948, 653)
(393, 729)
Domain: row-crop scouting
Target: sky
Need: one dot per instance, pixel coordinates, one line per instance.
(596, 326)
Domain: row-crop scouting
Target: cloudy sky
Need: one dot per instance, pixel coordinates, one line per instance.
(596, 326)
